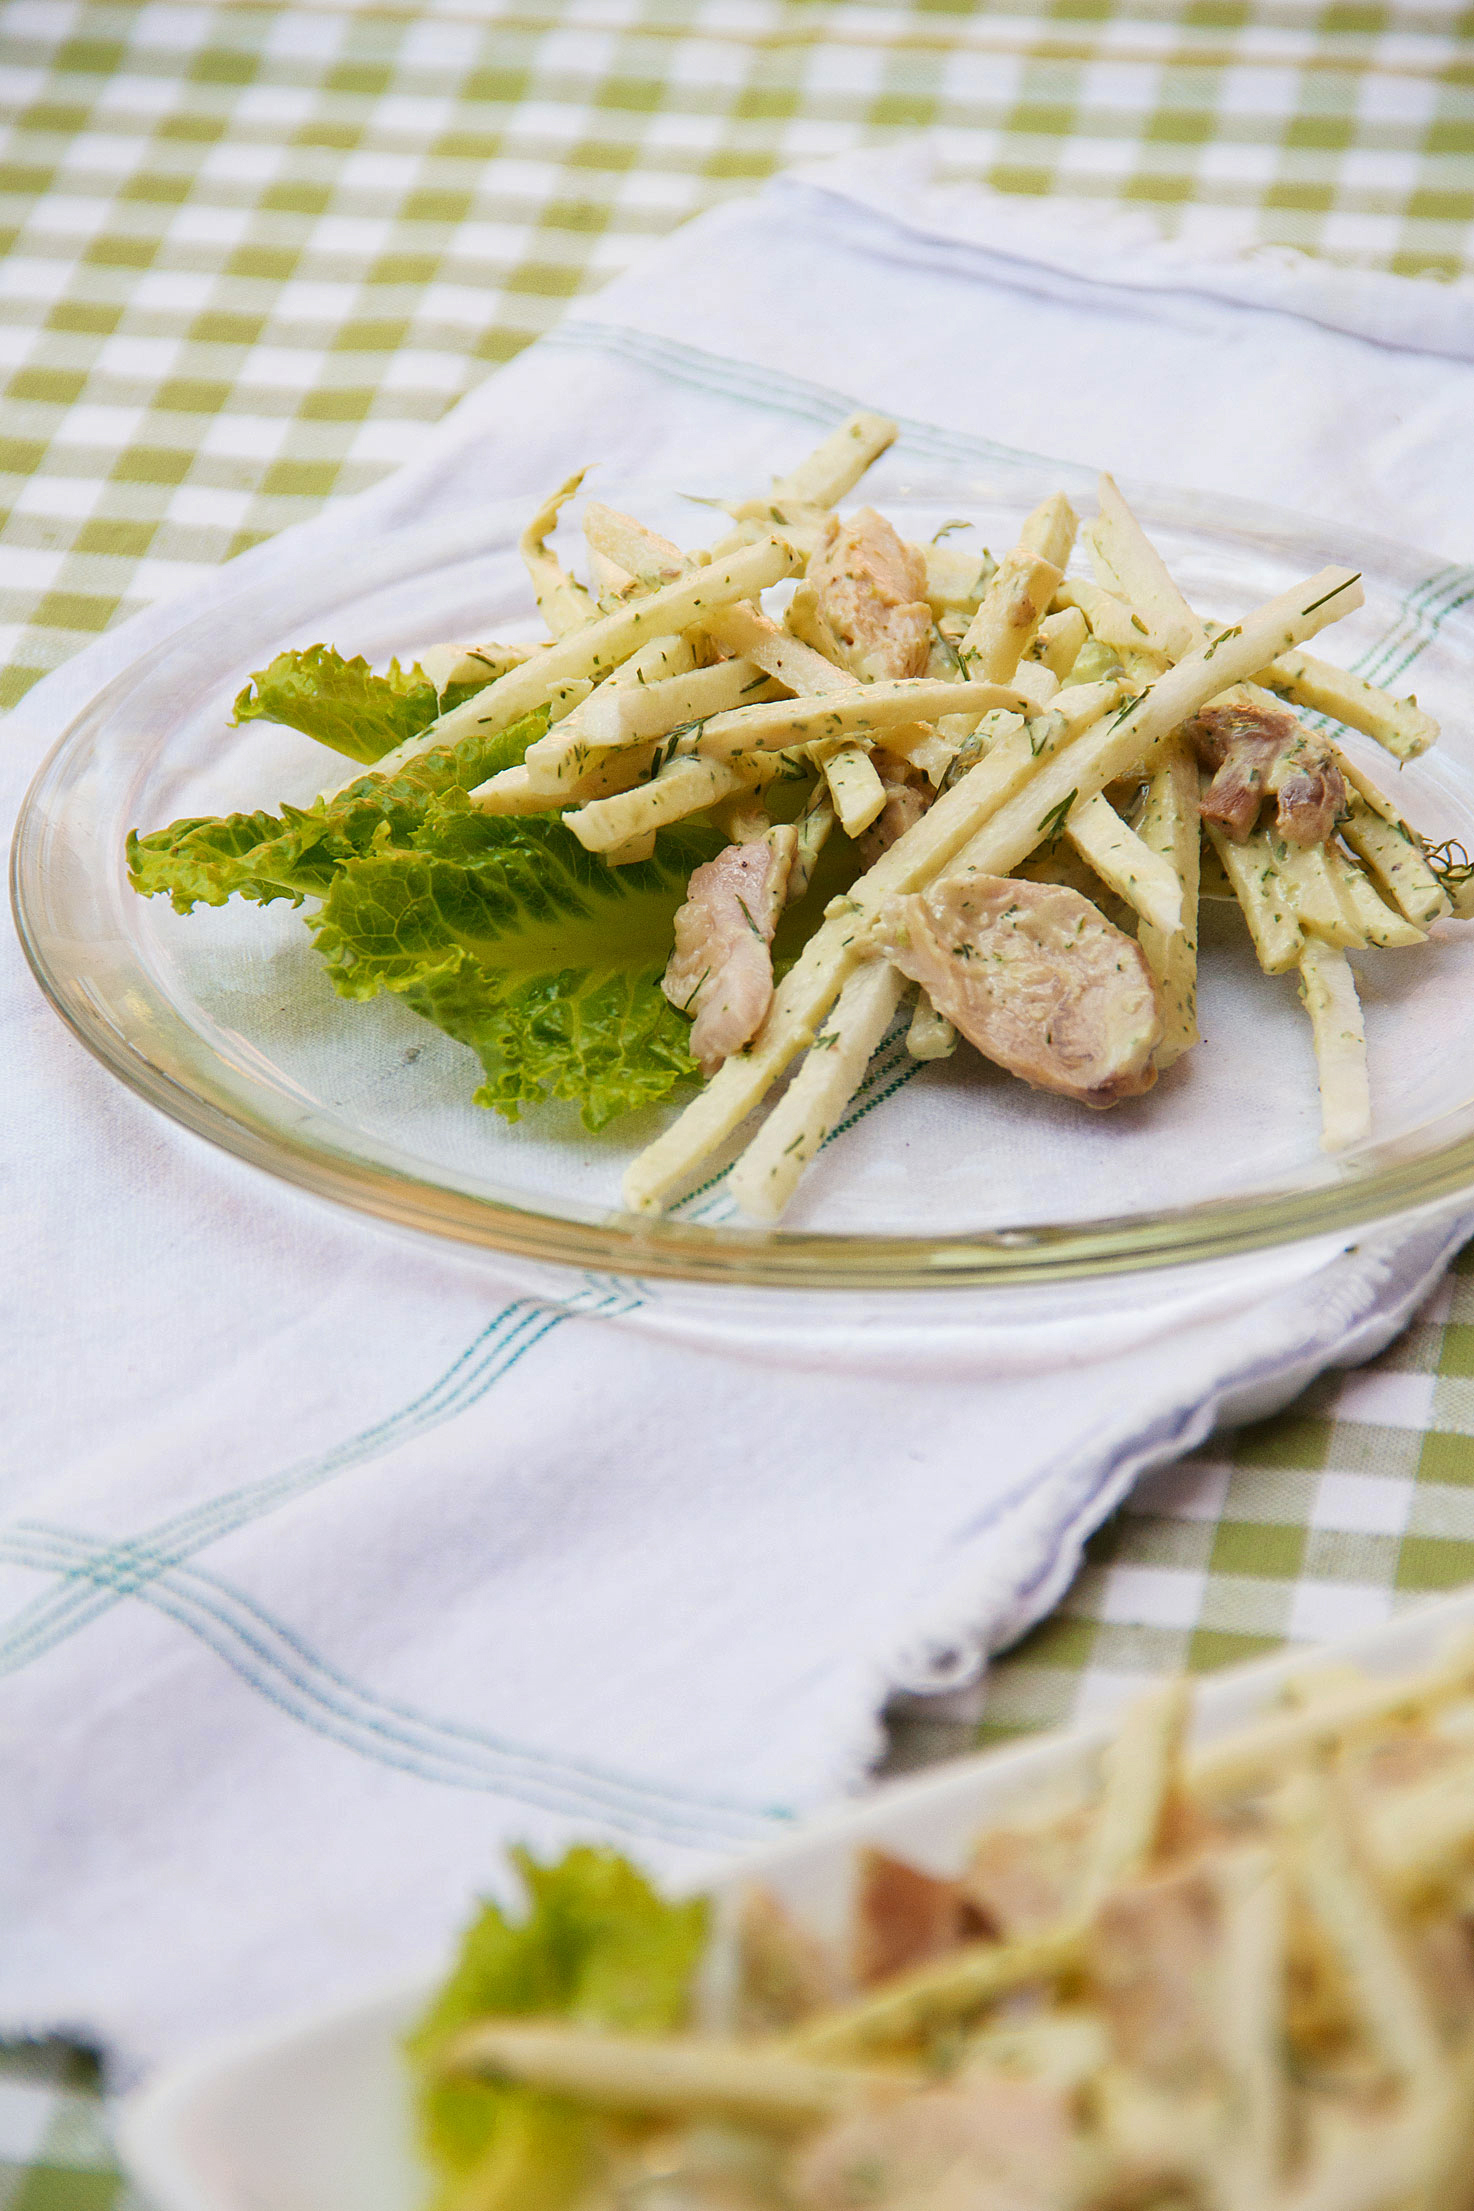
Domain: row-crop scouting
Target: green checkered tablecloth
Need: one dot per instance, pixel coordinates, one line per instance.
(55, 2152)
(252, 251)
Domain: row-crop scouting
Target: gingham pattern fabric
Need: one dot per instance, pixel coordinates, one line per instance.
(55, 2154)
(1322, 1521)
(251, 251)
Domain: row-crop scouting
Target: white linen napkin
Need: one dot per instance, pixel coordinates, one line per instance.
(328, 1565)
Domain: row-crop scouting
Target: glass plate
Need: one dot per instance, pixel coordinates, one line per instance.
(948, 1174)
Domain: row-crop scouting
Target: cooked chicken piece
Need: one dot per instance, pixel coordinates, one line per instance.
(1036, 978)
(1444, 1949)
(872, 592)
(908, 793)
(722, 968)
(1024, 1879)
(1261, 751)
(904, 1916)
(1154, 1953)
(1411, 1755)
(999, 2143)
(784, 1972)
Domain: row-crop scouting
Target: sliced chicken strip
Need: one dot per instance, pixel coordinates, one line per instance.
(908, 793)
(1027, 1879)
(1036, 978)
(1155, 1953)
(871, 590)
(722, 967)
(904, 1916)
(997, 2143)
(1260, 751)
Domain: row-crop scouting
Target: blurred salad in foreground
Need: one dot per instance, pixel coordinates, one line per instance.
(1235, 1974)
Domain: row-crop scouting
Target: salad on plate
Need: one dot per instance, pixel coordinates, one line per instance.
(748, 807)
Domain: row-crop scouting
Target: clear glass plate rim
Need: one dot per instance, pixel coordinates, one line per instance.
(670, 1247)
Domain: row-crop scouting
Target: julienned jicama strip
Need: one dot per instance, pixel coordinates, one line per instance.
(1162, 1974)
(981, 835)
(599, 647)
(750, 804)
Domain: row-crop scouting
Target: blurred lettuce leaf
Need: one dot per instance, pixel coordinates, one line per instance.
(596, 1945)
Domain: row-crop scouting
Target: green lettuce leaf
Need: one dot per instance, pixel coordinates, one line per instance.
(456, 694)
(597, 1945)
(506, 933)
(341, 703)
(297, 853)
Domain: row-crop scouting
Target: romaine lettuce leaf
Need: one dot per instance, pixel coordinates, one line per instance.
(598, 1945)
(341, 703)
(507, 934)
(296, 854)
(503, 931)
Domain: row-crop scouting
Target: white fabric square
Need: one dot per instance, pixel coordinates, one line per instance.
(49, 23)
(209, 507)
(1320, 1610)
(251, 437)
(67, 215)
(172, 291)
(355, 237)
(1153, 1596)
(141, 95)
(199, 224)
(100, 153)
(25, 2115)
(1383, 1398)
(175, 29)
(1362, 1504)
(32, 277)
(124, 355)
(243, 161)
(72, 496)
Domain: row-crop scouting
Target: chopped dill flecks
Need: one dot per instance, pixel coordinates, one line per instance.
(687, 1002)
(1329, 595)
(1052, 826)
